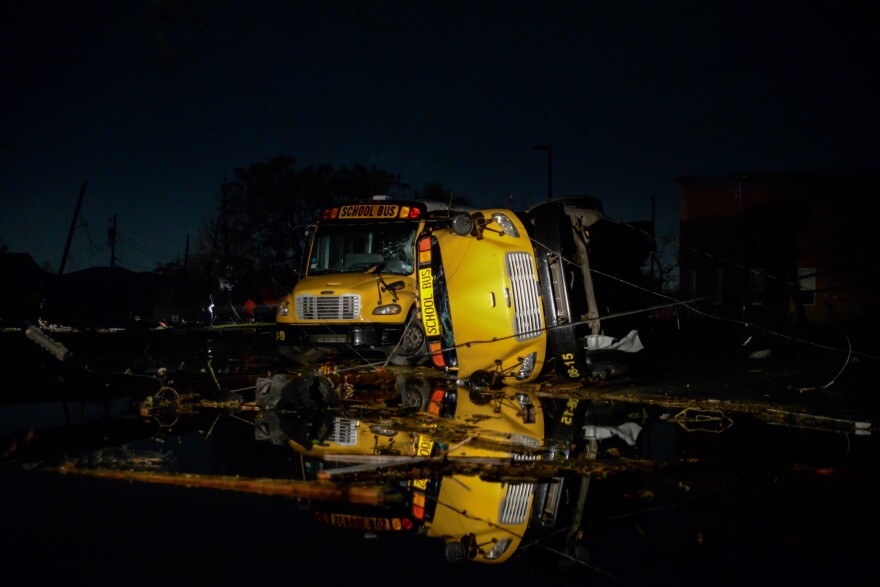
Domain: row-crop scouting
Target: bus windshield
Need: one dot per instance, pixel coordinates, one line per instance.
(358, 247)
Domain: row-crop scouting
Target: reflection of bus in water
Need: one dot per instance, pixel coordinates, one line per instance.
(478, 520)
(393, 515)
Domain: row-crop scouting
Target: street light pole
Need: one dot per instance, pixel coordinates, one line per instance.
(549, 149)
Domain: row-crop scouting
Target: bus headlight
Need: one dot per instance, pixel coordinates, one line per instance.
(527, 366)
(506, 224)
(383, 430)
(498, 549)
(283, 310)
(526, 408)
(387, 310)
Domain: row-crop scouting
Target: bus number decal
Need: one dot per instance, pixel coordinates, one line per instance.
(568, 361)
(568, 414)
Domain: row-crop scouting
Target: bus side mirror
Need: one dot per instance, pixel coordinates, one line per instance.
(462, 224)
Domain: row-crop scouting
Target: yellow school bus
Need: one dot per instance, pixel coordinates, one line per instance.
(358, 293)
(480, 299)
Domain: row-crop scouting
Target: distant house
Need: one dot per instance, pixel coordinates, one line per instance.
(23, 288)
(103, 297)
(782, 249)
(93, 297)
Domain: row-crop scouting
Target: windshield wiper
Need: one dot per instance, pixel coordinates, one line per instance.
(392, 287)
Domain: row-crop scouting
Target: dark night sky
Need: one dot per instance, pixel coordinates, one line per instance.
(155, 103)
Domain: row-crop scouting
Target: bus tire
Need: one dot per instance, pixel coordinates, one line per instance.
(413, 347)
(414, 393)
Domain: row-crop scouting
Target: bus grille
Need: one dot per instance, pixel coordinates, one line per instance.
(515, 506)
(527, 319)
(344, 432)
(311, 307)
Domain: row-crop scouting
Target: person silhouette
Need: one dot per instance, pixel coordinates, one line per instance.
(211, 310)
(249, 308)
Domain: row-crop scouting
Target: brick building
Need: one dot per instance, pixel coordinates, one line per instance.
(782, 250)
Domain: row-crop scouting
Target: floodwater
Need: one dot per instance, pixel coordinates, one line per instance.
(94, 492)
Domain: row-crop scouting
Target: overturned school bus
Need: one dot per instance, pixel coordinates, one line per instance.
(507, 296)
(481, 305)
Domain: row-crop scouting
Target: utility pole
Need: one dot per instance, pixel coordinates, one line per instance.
(82, 192)
(549, 149)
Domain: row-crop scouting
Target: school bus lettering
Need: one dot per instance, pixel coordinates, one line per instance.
(360, 522)
(368, 211)
(424, 450)
(425, 447)
(426, 280)
(429, 309)
(429, 317)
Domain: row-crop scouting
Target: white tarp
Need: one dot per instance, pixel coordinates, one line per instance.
(628, 431)
(628, 344)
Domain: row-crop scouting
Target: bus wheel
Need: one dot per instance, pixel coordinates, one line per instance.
(414, 393)
(413, 347)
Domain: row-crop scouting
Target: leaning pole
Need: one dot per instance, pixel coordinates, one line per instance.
(82, 192)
